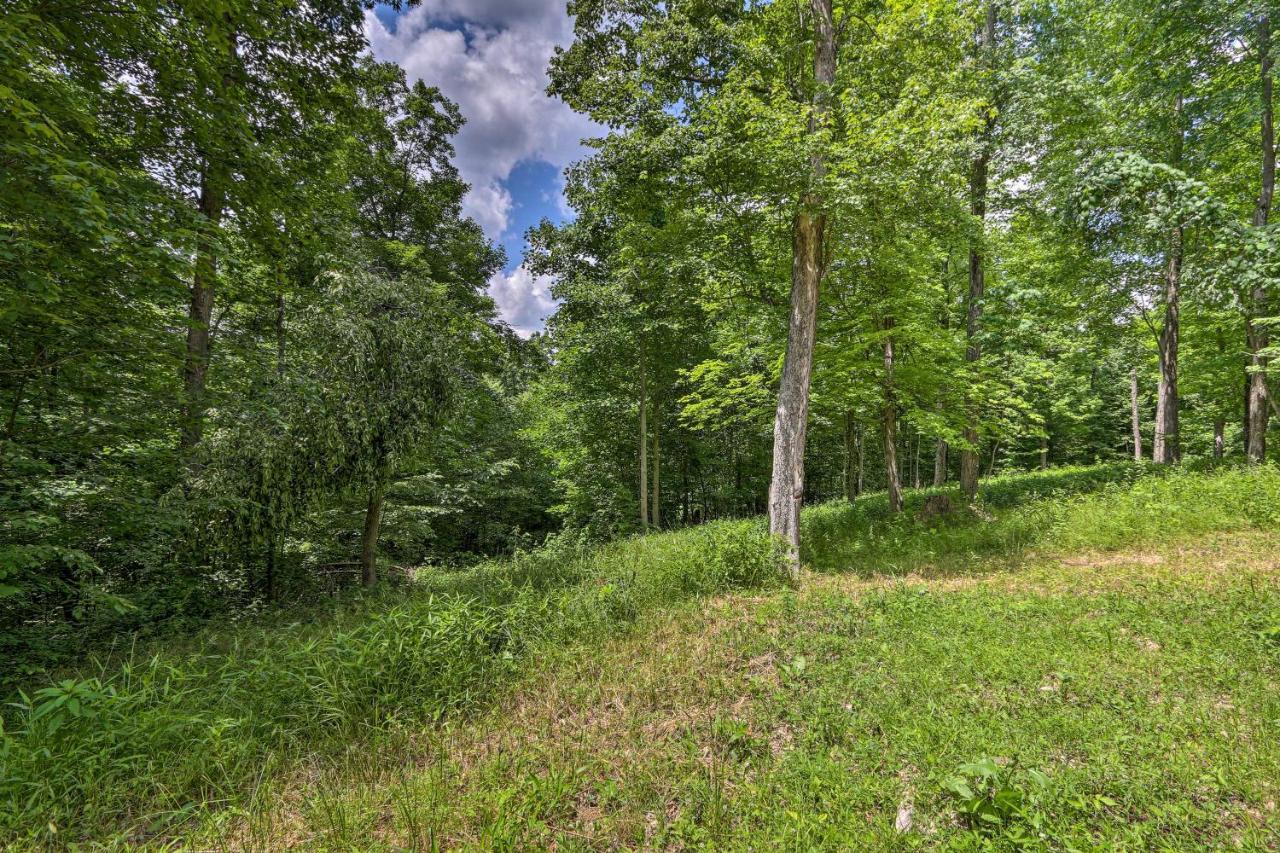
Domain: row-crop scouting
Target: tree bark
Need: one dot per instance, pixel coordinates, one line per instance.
(1258, 339)
(860, 446)
(1165, 442)
(1044, 453)
(893, 484)
(786, 485)
(977, 282)
(1166, 448)
(1134, 416)
(656, 513)
(850, 482)
(644, 452)
(200, 312)
(369, 537)
(940, 463)
(280, 325)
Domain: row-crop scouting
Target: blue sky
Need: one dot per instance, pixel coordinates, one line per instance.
(490, 56)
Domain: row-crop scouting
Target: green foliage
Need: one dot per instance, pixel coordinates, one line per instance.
(168, 735)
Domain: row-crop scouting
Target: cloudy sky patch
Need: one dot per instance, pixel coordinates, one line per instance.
(490, 56)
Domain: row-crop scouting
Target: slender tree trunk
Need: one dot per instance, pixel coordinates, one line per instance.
(644, 452)
(1219, 437)
(369, 537)
(1165, 442)
(915, 462)
(1134, 415)
(684, 485)
(1258, 339)
(995, 450)
(1248, 383)
(1044, 453)
(893, 484)
(1166, 448)
(977, 282)
(786, 486)
(860, 448)
(280, 324)
(940, 463)
(850, 483)
(656, 513)
(200, 312)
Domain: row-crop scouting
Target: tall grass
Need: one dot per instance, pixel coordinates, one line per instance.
(131, 748)
(145, 743)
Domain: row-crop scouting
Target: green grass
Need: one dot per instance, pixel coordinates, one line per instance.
(588, 698)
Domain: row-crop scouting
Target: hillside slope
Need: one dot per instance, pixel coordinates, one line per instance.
(1090, 657)
(1117, 699)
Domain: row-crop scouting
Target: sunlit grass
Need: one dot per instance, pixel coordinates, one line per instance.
(596, 697)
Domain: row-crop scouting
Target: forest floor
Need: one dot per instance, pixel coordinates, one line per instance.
(1118, 696)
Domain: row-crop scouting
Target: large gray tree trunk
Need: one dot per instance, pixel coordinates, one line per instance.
(977, 282)
(1258, 405)
(786, 485)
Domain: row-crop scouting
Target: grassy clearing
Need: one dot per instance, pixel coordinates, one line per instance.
(608, 701)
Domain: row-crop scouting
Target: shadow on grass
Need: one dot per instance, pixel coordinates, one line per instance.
(1013, 514)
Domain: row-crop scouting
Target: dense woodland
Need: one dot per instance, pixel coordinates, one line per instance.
(825, 247)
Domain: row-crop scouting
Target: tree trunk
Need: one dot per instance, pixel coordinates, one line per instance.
(860, 446)
(893, 484)
(1166, 449)
(977, 283)
(1258, 339)
(369, 538)
(1219, 439)
(915, 463)
(280, 329)
(995, 450)
(1044, 453)
(656, 513)
(1165, 442)
(644, 452)
(850, 483)
(1134, 416)
(786, 485)
(200, 312)
(940, 463)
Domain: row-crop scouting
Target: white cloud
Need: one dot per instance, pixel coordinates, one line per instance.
(490, 56)
(523, 299)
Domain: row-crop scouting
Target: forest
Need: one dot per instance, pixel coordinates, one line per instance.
(941, 333)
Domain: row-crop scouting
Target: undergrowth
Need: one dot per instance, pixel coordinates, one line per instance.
(131, 749)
